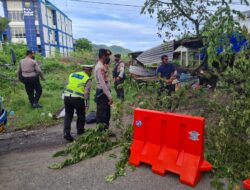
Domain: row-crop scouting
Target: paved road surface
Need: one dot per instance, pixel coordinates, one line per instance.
(25, 155)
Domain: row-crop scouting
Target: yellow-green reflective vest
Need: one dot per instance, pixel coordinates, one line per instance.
(77, 82)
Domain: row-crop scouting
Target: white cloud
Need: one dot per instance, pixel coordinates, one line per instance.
(110, 43)
(1, 9)
(111, 25)
(100, 25)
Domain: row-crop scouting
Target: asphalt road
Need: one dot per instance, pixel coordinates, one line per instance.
(25, 156)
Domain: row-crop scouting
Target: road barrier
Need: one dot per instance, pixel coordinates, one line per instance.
(169, 142)
(246, 184)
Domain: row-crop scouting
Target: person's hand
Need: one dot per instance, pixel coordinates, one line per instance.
(86, 109)
(110, 101)
(169, 81)
(118, 78)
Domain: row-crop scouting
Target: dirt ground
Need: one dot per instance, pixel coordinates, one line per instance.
(25, 156)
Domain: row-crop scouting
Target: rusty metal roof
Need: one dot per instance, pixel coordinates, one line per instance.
(153, 55)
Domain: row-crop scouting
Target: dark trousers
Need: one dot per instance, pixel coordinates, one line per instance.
(119, 89)
(169, 89)
(33, 88)
(71, 104)
(103, 110)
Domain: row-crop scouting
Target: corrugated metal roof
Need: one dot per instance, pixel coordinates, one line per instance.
(141, 71)
(153, 56)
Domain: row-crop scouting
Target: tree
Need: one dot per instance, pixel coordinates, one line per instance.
(83, 44)
(187, 16)
(3, 24)
(217, 32)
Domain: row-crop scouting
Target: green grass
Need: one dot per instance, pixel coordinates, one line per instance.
(16, 99)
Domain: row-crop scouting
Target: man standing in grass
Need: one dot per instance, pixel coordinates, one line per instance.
(31, 71)
(119, 76)
(103, 91)
(76, 97)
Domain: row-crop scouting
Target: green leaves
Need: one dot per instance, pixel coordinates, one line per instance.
(122, 163)
(92, 143)
(228, 142)
(83, 44)
(3, 24)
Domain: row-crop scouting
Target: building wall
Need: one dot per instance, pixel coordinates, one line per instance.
(41, 26)
(245, 22)
(57, 30)
(30, 18)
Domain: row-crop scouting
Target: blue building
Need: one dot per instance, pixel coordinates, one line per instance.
(40, 25)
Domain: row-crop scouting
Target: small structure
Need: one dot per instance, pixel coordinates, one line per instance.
(133, 56)
(143, 65)
(188, 56)
(153, 55)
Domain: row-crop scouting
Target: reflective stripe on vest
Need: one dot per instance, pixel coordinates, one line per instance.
(77, 82)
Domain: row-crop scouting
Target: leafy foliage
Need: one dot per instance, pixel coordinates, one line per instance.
(187, 16)
(15, 98)
(93, 142)
(83, 44)
(19, 49)
(114, 48)
(3, 24)
(125, 152)
(83, 57)
(218, 31)
(228, 142)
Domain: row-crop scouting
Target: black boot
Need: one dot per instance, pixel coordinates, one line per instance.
(68, 137)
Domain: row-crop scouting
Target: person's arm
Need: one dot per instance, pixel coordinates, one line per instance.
(122, 70)
(39, 71)
(100, 76)
(87, 92)
(158, 73)
(174, 72)
(19, 70)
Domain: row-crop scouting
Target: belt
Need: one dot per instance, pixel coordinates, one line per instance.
(73, 92)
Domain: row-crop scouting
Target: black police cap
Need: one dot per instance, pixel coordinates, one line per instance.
(28, 52)
(105, 52)
(117, 55)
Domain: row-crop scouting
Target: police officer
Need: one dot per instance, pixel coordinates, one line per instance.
(119, 76)
(30, 72)
(103, 91)
(76, 97)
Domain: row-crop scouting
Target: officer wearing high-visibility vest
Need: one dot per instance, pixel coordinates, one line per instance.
(76, 97)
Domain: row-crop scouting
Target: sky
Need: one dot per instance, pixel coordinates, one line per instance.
(112, 25)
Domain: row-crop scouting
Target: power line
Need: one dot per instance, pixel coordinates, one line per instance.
(106, 3)
(140, 6)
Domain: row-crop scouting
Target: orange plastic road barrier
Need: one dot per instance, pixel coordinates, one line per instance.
(246, 184)
(169, 142)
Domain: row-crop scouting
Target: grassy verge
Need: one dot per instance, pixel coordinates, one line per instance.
(16, 99)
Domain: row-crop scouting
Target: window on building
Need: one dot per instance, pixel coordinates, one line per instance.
(15, 16)
(54, 17)
(14, 5)
(37, 31)
(18, 32)
(35, 10)
(39, 47)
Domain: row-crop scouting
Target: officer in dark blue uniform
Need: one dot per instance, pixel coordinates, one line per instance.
(119, 76)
